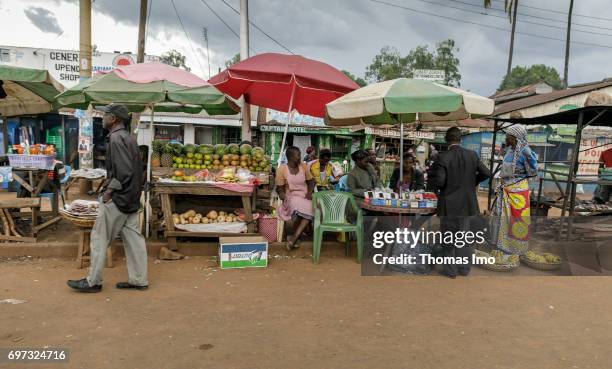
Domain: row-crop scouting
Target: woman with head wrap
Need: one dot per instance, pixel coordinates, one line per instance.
(512, 205)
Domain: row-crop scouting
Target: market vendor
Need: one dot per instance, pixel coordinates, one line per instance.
(413, 178)
(294, 185)
(602, 192)
(323, 172)
(310, 154)
(363, 176)
(373, 161)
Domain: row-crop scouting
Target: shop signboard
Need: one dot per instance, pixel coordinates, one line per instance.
(243, 252)
(296, 119)
(64, 65)
(434, 75)
(307, 130)
(395, 133)
(590, 152)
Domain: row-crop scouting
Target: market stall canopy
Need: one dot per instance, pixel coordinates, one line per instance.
(142, 85)
(600, 115)
(284, 82)
(402, 99)
(26, 91)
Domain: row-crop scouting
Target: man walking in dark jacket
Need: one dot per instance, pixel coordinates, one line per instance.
(456, 174)
(119, 205)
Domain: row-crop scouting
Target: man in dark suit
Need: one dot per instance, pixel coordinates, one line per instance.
(455, 175)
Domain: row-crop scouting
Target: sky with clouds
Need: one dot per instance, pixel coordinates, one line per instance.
(344, 33)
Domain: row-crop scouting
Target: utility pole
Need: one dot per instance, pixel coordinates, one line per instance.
(244, 54)
(85, 39)
(567, 43)
(516, 3)
(141, 31)
(205, 34)
(85, 67)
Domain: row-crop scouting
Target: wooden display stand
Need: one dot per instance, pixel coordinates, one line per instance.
(169, 191)
(6, 218)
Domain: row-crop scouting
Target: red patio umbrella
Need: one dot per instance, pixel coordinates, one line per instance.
(284, 82)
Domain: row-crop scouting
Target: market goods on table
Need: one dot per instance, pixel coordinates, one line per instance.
(409, 199)
(213, 216)
(83, 208)
(89, 173)
(217, 157)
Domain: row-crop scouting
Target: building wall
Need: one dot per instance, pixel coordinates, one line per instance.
(63, 65)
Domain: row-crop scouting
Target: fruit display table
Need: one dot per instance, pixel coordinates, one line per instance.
(171, 192)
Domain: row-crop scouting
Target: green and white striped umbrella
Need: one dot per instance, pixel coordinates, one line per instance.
(402, 99)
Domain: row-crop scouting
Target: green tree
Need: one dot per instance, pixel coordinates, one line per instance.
(174, 58)
(235, 59)
(389, 64)
(521, 76)
(358, 80)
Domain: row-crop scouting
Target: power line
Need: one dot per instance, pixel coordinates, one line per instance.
(562, 12)
(486, 25)
(537, 17)
(518, 19)
(259, 29)
(187, 35)
(224, 22)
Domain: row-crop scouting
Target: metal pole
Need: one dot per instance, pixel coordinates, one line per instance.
(491, 163)
(401, 152)
(205, 30)
(570, 186)
(289, 117)
(149, 169)
(244, 54)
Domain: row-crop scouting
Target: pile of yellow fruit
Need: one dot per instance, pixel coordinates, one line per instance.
(191, 217)
(502, 259)
(545, 258)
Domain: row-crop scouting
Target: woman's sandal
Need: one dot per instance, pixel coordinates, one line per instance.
(290, 244)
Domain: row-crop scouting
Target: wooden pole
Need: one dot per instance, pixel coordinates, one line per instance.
(141, 31)
(567, 43)
(511, 51)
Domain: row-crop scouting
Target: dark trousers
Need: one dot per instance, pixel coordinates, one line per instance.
(456, 224)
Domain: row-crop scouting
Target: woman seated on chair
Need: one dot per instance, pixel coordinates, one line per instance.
(294, 185)
(363, 176)
(413, 177)
(323, 171)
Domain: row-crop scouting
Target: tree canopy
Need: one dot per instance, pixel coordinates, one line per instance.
(390, 64)
(358, 80)
(174, 58)
(521, 76)
(235, 59)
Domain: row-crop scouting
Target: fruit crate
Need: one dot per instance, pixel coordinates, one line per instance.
(22, 161)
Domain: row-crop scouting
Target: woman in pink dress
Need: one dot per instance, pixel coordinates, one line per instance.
(294, 185)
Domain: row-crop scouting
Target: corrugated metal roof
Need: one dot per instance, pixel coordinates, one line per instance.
(545, 98)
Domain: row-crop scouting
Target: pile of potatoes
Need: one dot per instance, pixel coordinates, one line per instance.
(191, 217)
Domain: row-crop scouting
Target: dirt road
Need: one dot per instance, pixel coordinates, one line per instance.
(297, 315)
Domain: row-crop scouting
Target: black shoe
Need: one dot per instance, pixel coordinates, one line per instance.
(82, 285)
(129, 286)
(451, 276)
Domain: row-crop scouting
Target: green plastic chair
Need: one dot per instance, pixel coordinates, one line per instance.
(330, 216)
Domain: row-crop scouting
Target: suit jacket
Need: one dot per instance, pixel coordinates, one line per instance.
(455, 175)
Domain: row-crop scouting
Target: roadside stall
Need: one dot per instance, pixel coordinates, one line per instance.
(588, 116)
(31, 164)
(206, 190)
(155, 87)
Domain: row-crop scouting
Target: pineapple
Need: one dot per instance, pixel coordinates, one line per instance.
(166, 157)
(157, 147)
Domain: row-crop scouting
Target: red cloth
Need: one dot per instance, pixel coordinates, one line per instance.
(235, 187)
(269, 80)
(606, 157)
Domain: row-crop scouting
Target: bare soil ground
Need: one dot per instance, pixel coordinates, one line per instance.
(298, 315)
